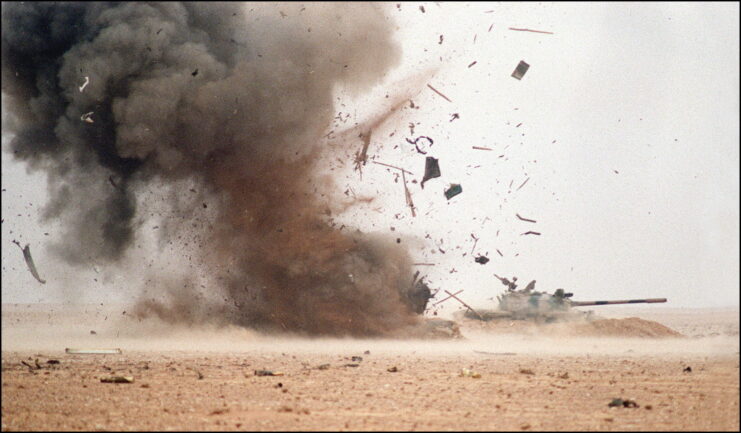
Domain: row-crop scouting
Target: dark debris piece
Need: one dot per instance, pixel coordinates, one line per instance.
(416, 140)
(194, 73)
(267, 373)
(453, 191)
(432, 170)
(482, 259)
(619, 402)
(520, 70)
(687, 369)
(531, 233)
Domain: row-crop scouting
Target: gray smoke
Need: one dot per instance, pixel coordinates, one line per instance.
(233, 97)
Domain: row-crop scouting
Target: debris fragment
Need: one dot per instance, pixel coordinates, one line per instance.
(480, 148)
(490, 27)
(29, 261)
(438, 92)
(87, 117)
(194, 73)
(475, 241)
(687, 369)
(323, 367)
(416, 140)
(520, 70)
(392, 369)
(469, 373)
(52, 361)
(393, 166)
(465, 305)
(525, 219)
(407, 194)
(423, 264)
(526, 371)
(454, 116)
(267, 373)
(92, 351)
(117, 379)
(473, 63)
(531, 233)
(351, 365)
(494, 353)
(87, 80)
(564, 375)
(422, 8)
(619, 402)
(482, 259)
(528, 30)
(500, 253)
(356, 358)
(523, 184)
(441, 40)
(453, 191)
(432, 170)
(445, 299)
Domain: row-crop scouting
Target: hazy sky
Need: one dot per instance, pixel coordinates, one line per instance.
(629, 137)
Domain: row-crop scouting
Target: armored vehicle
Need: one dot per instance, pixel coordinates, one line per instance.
(528, 304)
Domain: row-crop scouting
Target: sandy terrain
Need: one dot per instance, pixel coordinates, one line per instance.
(553, 378)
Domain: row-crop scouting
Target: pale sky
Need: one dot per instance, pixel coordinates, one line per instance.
(637, 197)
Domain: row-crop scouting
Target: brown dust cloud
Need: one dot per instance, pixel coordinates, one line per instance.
(108, 99)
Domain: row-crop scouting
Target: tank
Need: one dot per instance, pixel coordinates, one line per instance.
(528, 304)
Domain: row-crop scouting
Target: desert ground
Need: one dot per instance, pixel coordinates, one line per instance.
(679, 367)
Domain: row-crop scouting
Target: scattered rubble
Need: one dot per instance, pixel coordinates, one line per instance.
(267, 373)
(469, 373)
(117, 379)
(619, 402)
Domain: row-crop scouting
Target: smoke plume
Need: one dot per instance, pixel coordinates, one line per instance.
(110, 98)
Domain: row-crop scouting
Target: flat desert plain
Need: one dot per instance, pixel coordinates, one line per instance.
(677, 369)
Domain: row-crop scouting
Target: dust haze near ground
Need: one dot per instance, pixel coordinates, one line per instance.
(202, 378)
(233, 100)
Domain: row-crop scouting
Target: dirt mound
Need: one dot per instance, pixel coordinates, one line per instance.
(628, 327)
(594, 327)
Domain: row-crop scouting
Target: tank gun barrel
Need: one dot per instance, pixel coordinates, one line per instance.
(628, 301)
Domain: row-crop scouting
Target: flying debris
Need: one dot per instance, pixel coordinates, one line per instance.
(29, 261)
(87, 80)
(432, 170)
(453, 191)
(87, 117)
(520, 70)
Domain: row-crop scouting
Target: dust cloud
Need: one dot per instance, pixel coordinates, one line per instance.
(109, 99)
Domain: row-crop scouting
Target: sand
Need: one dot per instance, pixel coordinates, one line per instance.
(559, 377)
